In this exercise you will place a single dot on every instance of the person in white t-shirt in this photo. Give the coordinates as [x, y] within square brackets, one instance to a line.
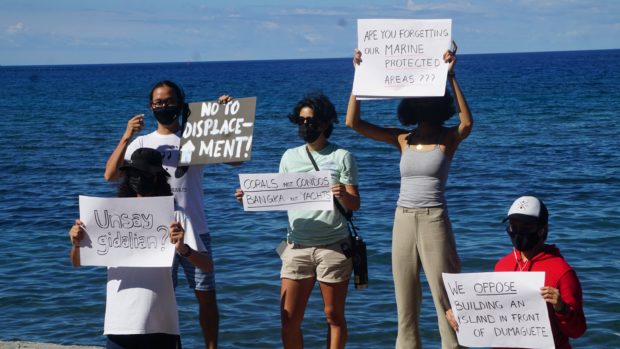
[141, 310]
[167, 102]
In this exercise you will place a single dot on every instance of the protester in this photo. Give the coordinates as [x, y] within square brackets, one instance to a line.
[141, 310]
[422, 236]
[528, 230]
[167, 102]
[317, 240]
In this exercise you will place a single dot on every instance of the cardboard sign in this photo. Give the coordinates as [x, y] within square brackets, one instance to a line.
[402, 57]
[501, 309]
[217, 133]
[127, 232]
[287, 191]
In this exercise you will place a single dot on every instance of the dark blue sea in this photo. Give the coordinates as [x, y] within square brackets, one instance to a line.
[545, 123]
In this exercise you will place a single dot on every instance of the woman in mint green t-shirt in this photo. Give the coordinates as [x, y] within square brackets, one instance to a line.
[316, 239]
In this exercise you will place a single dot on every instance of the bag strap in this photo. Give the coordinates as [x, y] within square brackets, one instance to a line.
[348, 215]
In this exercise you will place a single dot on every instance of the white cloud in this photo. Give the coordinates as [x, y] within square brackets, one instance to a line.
[15, 28]
[449, 6]
[318, 12]
[270, 25]
[312, 37]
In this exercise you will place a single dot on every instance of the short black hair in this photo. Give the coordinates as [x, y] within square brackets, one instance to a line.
[323, 108]
[432, 109]
[178, 91]
[182, 107]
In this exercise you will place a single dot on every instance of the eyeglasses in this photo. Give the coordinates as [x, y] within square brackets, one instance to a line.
[161, 103]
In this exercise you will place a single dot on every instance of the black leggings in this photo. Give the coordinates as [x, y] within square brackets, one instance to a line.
[144, 341]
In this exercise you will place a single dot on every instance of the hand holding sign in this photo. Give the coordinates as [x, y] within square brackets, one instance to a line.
[218, 131]
[286, 191]
[402, 58]
[501, 309]
[127, 232]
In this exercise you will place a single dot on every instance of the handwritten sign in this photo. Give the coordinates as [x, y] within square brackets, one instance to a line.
[501, 309]
[402, 57]
[287, 191]
[217, 133]
[127, 232]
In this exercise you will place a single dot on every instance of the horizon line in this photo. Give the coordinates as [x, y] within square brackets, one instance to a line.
[277, 59]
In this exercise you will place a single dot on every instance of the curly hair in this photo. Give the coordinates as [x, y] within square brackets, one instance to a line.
[161, 186]
[323, 108]
[431, 109]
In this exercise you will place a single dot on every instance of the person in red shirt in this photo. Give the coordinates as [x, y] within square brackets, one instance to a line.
[528, 229]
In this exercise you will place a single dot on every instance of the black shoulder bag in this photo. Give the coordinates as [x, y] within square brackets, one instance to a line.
[358, 246]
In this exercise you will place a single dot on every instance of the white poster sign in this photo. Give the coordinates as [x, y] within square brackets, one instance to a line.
[127, 232]
[501, 309]
[287, 191]
[402, 57]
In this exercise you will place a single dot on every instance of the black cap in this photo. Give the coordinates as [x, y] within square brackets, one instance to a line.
[145, 160]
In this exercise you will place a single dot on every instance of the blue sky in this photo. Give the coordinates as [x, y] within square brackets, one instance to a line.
[126, 31]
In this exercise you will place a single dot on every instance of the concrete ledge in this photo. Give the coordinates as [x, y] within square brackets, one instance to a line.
[34, 345]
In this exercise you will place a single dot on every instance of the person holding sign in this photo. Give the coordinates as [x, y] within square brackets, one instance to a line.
[422, 236]
[167, 102]
[141, 309]
[528, 229]
[317, 246]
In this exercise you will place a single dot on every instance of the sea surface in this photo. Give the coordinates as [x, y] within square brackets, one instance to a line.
[545, 123]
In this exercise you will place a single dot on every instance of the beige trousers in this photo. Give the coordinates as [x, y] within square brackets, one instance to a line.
[422, 237]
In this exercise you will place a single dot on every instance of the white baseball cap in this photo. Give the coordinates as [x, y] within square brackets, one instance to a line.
[528, 208]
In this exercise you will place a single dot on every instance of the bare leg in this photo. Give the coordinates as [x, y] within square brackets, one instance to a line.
[334, 299]
[294, 296]
[209, 317]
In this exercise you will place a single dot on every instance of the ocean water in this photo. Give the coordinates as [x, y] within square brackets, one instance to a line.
[545, 123]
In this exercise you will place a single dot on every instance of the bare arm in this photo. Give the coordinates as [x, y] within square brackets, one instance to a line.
[354, 121]
[199, 259]
[76, 234]
[465, 118]
[367, 129]
[466, 123]
[134, 125]
[348, 196]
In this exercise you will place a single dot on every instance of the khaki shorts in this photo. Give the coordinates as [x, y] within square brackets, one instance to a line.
[326, 263]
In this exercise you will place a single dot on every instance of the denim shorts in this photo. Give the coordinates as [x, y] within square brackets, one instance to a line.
[196, 278]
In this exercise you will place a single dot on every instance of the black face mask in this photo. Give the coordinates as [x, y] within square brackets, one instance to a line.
[166, 115]
[142, 185]
[309, 132]
[523, 240]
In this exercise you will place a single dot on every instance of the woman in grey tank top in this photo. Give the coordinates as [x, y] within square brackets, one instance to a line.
[422, 235]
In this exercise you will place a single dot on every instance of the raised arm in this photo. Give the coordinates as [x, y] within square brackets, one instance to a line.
[134, 125]
[466, 123]
[354, 120]
[367, 129]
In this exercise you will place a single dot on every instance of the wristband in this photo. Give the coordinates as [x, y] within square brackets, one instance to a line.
[189, 252]
[451, 74]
